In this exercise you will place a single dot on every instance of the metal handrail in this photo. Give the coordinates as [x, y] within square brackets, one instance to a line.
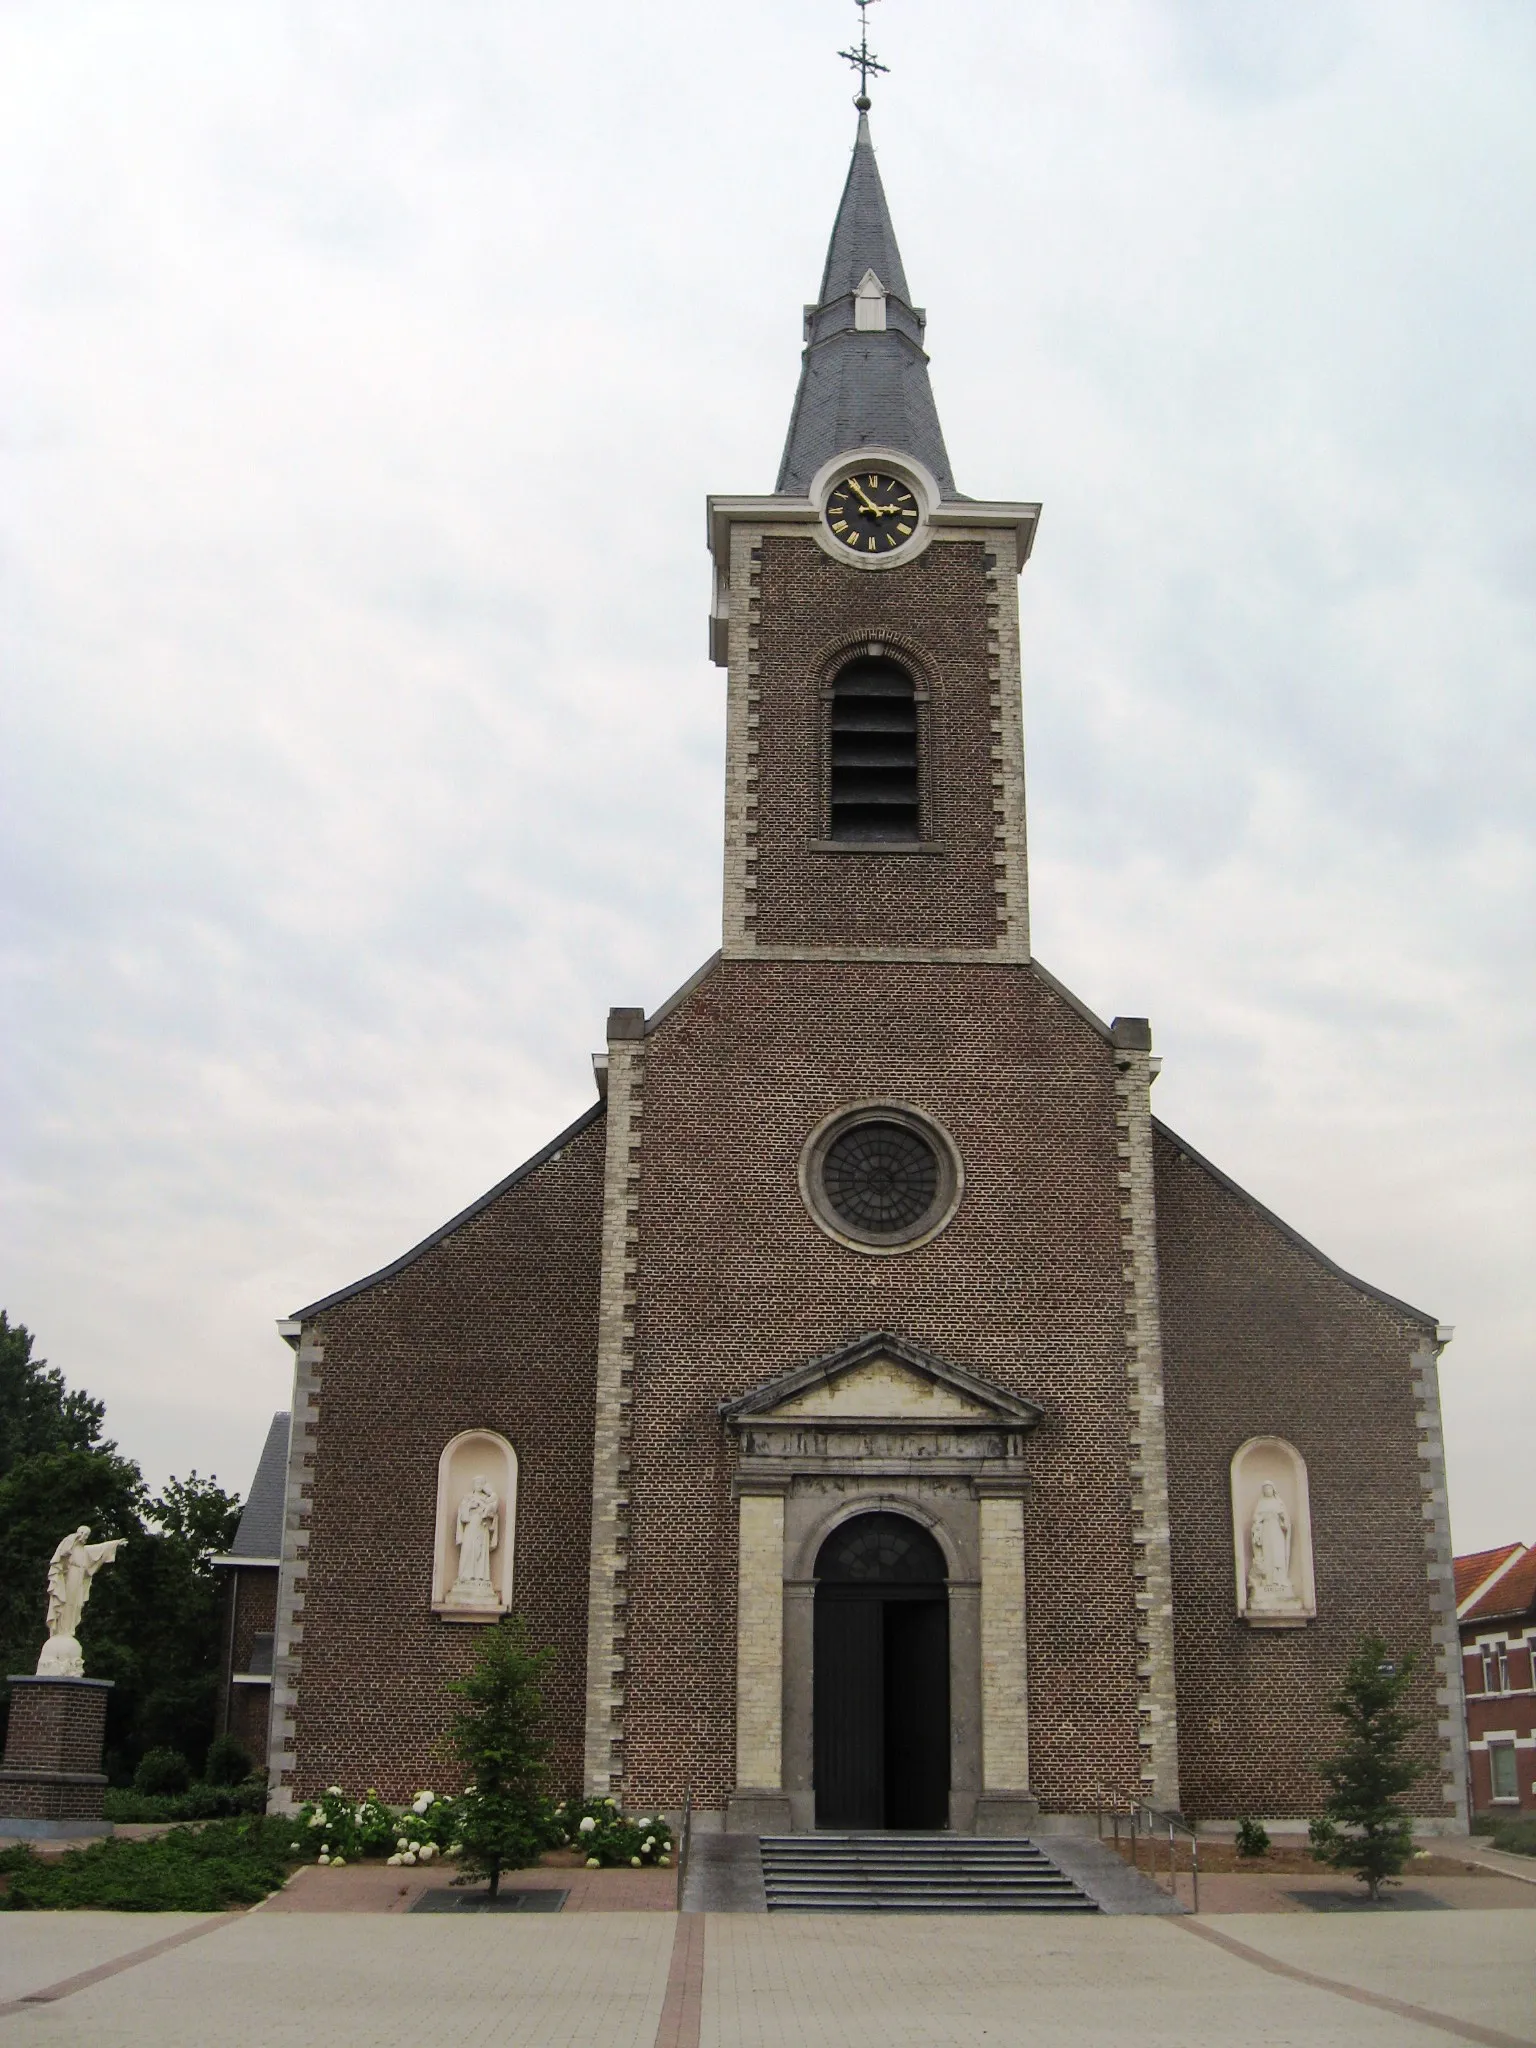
[684, 1843]
[1151, 1822]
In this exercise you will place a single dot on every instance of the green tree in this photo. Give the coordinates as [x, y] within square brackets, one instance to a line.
[153, 1625]
[498, 1738]
[1364, 1828]
[37, 1411]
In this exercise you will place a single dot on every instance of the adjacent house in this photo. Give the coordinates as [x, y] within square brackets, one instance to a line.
[245, 1697]
[1496, 1612]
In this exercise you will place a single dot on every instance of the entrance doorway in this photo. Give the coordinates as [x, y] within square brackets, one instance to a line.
[881, 1688]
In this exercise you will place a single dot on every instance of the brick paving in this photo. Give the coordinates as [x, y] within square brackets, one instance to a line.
[654, 1980]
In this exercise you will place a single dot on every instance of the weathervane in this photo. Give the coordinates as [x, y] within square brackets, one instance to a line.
[863, 59]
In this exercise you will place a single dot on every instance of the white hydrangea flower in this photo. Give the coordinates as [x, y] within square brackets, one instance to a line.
[634, 1862]
[593, 1864]
[611, 1802]
[408, 1860]
[333, 1792]
[665, 1862]
[338, 1862]
[392, 1862]
[422, 1802]
[426, 1852]
[588, 1826]
[322, 1857]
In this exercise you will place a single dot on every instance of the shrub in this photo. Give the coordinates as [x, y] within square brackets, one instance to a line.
[1252, 1838]
[498, 1737]
[198, 1802]
[1364, 1829]
[599, 1827]
[1518, 1836]
[228, 1762]
[162, 1770]
[188, 1870]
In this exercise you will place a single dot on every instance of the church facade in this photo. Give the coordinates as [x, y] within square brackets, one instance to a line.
[886, 1419]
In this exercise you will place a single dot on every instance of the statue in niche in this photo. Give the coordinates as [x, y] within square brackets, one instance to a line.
[477, 1528]
[1270, 1586]
[74, 1564]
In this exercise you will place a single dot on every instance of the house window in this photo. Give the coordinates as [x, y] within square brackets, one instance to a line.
[1496, 1668]
[1501, 1770]
[260, 1665]
[873, 783]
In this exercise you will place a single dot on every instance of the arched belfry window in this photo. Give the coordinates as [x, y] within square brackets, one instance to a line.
[874, 786]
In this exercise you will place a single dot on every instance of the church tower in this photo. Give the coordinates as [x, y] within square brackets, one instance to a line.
[884, 1419]
[867, 617]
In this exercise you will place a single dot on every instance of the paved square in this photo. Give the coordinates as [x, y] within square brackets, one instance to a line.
[632, 1980]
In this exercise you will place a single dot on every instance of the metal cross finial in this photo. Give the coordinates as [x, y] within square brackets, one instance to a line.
[863, 59]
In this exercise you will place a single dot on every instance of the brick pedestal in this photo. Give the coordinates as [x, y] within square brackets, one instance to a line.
[51, 1782]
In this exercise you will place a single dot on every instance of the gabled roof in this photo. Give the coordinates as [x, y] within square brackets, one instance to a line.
[1302, 1244]
[1478, 1566]
[862, 387]
[540, 1158]
[971, 1401]
[260, 1534]
[1508, 1590]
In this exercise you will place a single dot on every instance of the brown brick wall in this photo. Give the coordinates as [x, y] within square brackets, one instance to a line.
[1261, 1337]
[250, 1715]
[51, 1798]
[494, 1327]
[937, 609]
[246, 1711]
[737, 1284]
[56, 1724]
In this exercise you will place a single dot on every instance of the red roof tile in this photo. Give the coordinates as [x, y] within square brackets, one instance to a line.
[1477, 1566]
[1513, 1593]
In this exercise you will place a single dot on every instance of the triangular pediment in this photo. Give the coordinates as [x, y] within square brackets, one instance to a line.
[881, 1378]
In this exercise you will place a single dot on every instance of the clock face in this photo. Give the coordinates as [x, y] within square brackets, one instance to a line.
[870, 512]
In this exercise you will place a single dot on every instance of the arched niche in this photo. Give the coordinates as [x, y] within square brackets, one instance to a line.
[471, 1535]
[1272, 1535]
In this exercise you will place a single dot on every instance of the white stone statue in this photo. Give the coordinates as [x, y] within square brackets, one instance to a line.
[477, 1531]
[1270, 1586]
[70, 1572]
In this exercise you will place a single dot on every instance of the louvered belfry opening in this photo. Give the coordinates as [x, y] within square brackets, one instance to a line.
[873, 750]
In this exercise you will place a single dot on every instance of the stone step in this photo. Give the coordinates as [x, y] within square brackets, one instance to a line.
[914, 1874]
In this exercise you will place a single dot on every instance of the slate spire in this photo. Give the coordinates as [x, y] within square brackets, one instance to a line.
[864, 376]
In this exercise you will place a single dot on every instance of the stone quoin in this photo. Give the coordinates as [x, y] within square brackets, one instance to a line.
[860, 1378]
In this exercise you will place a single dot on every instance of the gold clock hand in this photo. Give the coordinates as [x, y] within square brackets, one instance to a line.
[858, 488]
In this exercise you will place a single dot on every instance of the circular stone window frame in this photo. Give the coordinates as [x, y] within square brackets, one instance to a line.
[936, 1217]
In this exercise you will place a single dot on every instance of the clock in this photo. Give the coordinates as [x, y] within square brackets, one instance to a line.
[871, 512]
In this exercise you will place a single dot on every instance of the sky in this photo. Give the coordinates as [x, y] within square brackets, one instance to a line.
[365, 369]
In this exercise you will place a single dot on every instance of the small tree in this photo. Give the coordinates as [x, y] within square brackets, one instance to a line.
[1363, 1828]
[498, 1737]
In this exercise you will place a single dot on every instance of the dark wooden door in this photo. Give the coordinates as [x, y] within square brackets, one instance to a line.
[917, 1713]
[849, 1709]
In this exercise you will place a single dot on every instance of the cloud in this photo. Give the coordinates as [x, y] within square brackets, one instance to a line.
[369, 366]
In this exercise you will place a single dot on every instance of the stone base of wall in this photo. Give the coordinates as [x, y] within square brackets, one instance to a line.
[1007, 1813]
[750, 1812]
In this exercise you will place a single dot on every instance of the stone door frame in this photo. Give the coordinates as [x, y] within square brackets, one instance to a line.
[881, 1425]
